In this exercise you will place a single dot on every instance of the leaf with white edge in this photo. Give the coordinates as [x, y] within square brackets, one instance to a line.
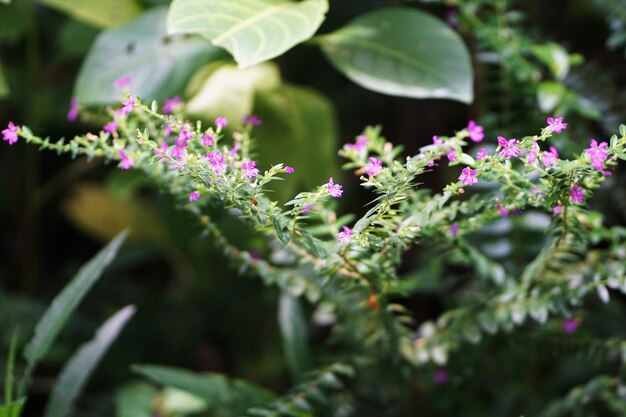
[603, 293]
[253, 31]
[159, 65]
[100, 13]
[62, 307]
[294, 331]
[79, 368]
[402, 52]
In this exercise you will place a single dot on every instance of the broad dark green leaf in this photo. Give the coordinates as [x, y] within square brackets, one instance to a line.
[294, 331]
[253, 31]
[402, 52]
[100, 13]
[66, 303]
[159, 65]
[79, 368]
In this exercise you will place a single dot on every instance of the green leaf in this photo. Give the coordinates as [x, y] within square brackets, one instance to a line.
[159, 65]
[549, 95]
[402, 52]
[135, 399]
[217, 390]
[4, 85]
[9, 379]
[5, 1]
[55, 317]
[253, 31]
[294, 331]
[555, 57]
[79, 368]
[282, 235]
[13, 409]
[101, 13]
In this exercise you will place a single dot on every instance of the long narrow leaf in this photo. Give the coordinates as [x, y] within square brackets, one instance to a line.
[10, 378]
[294, 331]
[78, 369]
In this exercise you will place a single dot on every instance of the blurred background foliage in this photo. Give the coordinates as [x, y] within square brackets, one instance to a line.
[531, 59]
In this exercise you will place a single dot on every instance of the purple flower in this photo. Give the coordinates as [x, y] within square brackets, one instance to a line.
[577, 194]
[289, 170]
[454, 229]
[451, 156]
[235, 148]
[10, 133]
[345, 236]
[373, 167]
[110, 127]
[482, 154]
[72, 114]
[335, 190]
[126, 162]
[468, 176]
[557, 209]
[476, 131]
[162, 150]
[208, 140]
[532, 154]
[168, 131]
[556, 125]
[122, 82]
[359, 145]
[570, 325]
[509, 148]
[171, 104]
[221, 122]
[441, 377]
[306, 209]
[597, 154]
[249, 169]
[549, 157]
[503, 212]
[217, 162]
[195, 196]
[128, 107]
[252, 120]
[437, 141]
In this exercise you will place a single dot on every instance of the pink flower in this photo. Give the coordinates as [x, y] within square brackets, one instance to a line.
[451, 156]
[437, 141]
[577, 194]
[128, 107]
[359, 145]
[482, 154]
[556, 125]
[122, 82]
[10, 133]
[476, 132]
[345, 236]
[289, 170]
[373, 167]
[110, 127]
[335, 190]
[503, 212]
[509, 148]
[171, 104]
[441, 377]
[597, 154]
[454, 229]
[208, 140]
[532, 154]
[168, 131]
[195, 196]
[221, 122]
[72, 114]
[306, 209]
[249, 169]
[235, 148]
[126, 162]
[468, 176]
[217, 162]
[162, 150]
[549, 157]
[570, 325]
[252, 120]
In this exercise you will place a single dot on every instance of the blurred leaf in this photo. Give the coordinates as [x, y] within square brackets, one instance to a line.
[135, 399]
[12, 22]
[555, 57]
[177, 402]
[299, 129]
[14, 409]
[79, 368]
[222, 89]
[402, 52]
[101, 214]
[4, 86]
[253, 31]
[549, 95]
[159, 65]
[294, 331]
[9, 379]
[66, 303]
[100, 13]
[5, 1]
[75, 39]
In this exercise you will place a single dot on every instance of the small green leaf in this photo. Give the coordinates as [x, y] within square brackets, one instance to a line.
[294, 331]
[135, 399]
[13, 409]
[282, 235]
[100, 13]
[253, 31]
[4, 85]
[402, 52]
[159, 65]
[79, 368]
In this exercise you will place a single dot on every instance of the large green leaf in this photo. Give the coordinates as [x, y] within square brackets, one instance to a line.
[66, 303]
[402, 52]
[159, 65]
[252, 31]
[100, 13]
[235, 395]
[80, 367]
[294, 331]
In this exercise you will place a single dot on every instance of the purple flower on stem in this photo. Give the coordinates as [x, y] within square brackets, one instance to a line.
[72, 114]
[217, 162]
[597, 154]
[167, 132]
[359, 145]
[162, 151]
[482, 154]
[476, 131]
[532, 154]
[441, 377]
[503, 212]
[557, 209]
[110, 127]
[509, 147]
[577, 194]
[451, 156]
[556, 125]
[249, 169]
[468, 176]
[126, 161]
[335, 190]
[306, 209]
[128, 107]
[345, 236]
[235, 148]
[289, 170]
[122, 82]
[208, 140]
[549, 157]
[570, 325]
[221, 122]
[171, 104]
[195, 196]
[10, 133]
[437, 141]
[373, 167]
[252, 120]
[454, 229]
